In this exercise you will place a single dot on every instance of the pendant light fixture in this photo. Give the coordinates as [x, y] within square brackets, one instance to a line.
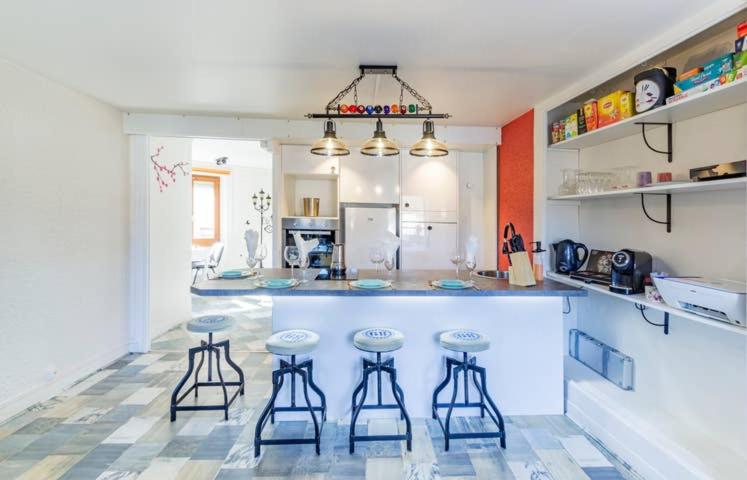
[329, 145]
[428, 145]
[379, 145]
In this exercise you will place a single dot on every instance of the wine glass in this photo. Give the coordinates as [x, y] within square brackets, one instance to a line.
[376, 255]
[470, 263]
[291, 255]
[261, 254]
[303, 264]
[251, 262]
[456, 258]
[389, 264]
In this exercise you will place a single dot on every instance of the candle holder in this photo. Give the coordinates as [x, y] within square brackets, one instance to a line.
[261, 202]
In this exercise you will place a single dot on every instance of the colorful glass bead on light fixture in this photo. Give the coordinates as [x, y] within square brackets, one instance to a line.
[361, 109]
[378, 109]
[343, 108]
[386, 109]
[395, 108]
[411, 108]
[403, 109]
[369, 109]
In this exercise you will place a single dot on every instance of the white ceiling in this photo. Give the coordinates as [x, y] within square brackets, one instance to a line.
[484, 61]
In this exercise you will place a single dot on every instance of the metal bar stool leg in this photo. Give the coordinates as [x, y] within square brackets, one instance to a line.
[265, 412]
[322, 398]
[400, 402]
[441, 386]
[447, 423]
[197, 371]
[175, 394]
[483, 387]
[222, 382]
[304, 378]
[357, 408]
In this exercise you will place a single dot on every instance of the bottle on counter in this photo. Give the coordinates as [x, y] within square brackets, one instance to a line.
[538, 262]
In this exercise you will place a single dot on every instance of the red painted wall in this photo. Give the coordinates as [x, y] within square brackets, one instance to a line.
[516, 180]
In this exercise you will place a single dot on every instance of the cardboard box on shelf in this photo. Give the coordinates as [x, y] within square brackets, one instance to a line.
[609, 109]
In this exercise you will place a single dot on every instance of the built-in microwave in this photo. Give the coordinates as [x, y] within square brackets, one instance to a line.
[323, 229]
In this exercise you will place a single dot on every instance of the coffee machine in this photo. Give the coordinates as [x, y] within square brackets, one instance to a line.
[629, 271]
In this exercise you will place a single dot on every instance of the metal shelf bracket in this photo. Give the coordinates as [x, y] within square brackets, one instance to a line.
[665, 324]
[668, 153]
[668, 221]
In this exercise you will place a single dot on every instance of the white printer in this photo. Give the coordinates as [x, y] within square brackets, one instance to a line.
[722, 300]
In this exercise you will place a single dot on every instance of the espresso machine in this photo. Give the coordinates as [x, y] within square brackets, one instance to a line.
[629, 271]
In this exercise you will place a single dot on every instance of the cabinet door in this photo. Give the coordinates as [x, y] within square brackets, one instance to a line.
[369, 179]
[428, 245]
[297, 159]
[429, 184]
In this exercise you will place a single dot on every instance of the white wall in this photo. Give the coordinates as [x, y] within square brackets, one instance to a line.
[170, 250]
[64, 210]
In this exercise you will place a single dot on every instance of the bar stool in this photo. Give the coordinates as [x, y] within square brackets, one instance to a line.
[465, 342]
[208, 324]
[378, 340]
[292, 343]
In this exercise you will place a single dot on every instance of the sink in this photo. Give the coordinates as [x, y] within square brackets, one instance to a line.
[492, 274]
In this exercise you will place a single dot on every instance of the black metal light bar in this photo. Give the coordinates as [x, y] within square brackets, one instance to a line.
[397, 116]
[423, 109]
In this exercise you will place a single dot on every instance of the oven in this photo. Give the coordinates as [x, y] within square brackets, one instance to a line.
[323, 229]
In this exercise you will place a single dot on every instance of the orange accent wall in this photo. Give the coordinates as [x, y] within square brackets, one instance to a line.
[516, 180]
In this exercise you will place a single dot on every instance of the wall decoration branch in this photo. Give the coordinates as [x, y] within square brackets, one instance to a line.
[166, 176]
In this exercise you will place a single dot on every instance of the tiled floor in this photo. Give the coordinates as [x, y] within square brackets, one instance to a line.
[115, 425]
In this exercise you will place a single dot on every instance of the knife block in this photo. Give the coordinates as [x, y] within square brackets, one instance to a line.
[520, 272]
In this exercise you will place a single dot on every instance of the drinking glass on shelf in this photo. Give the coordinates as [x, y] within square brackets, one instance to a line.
[470, 263]
[376, 255]
[291, 255]
[457, 259]
[303, 264]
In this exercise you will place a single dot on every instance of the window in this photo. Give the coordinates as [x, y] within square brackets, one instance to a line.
[205, 210]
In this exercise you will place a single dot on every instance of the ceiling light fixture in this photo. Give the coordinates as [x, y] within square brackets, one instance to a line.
[329, 145]
[428, 145]
[379, 145]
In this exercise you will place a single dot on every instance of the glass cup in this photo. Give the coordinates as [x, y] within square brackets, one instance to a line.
[456, 259]
[303, 264]
[470, 264]
[389, 264]
[376, 255]
[261, 254]
[291, 255]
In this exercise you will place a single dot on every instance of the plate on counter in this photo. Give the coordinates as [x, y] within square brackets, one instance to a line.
[452, 284]
[371, 284]
[236, 274]
[277, 283]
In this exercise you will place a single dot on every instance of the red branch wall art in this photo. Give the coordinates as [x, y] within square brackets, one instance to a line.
[163, 173]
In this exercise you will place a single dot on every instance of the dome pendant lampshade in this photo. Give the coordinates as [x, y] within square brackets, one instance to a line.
[379, 145]
[428, 146]
[329, 145]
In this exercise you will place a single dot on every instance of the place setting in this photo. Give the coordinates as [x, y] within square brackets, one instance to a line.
[468, 259]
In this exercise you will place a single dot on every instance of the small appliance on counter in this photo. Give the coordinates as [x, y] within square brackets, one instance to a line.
[629, 271]
[653, 87]
[722, 300]
[598, 268]
[720, 171]
[567, 259]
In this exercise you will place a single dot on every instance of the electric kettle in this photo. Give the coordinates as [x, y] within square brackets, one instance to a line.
[567, 259]
[337, 266]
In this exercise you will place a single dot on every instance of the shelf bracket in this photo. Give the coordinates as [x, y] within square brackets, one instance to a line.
[665, 324]
[668, 153]
[668, 221]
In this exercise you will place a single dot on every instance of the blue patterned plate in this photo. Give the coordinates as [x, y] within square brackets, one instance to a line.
[452, 284]
[370, 283]
[231, 274]
[278, 283]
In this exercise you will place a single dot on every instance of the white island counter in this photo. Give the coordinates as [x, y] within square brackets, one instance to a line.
[524, 364]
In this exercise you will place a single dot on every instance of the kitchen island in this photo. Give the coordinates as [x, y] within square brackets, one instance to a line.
[524, 364]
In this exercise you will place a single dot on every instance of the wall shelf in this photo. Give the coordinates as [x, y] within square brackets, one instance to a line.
[641, 299]
[727, 96]
[673, 188]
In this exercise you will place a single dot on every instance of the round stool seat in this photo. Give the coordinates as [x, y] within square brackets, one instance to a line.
[211, 324]
[378, 339]
[464, 341]
[292, 342]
